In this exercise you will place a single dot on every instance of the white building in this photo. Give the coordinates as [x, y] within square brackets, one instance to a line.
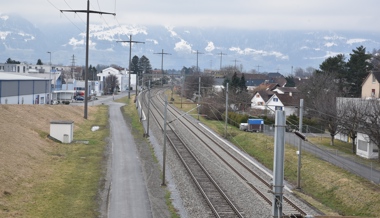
[122, 76]
[365, 147]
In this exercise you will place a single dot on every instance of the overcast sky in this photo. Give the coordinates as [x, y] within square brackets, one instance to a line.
[247, 14]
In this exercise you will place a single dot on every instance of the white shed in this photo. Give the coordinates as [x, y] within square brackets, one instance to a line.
[62, 130]
[365, 148]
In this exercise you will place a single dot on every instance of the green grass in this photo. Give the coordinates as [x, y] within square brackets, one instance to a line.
[331, 189]
[71, 190]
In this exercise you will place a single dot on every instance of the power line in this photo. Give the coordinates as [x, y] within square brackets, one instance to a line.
[88, 12]
[66, 17]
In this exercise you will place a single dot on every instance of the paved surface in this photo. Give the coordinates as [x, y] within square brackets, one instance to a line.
[338, 159]
[128, 192]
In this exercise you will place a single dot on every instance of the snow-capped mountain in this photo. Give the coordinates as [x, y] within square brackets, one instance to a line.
[266, 51]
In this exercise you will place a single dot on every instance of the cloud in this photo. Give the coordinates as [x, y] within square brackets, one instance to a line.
[269, 14]
[182, 46]
[330, 44]
[353, 41]
[254, 52]
[210, 47]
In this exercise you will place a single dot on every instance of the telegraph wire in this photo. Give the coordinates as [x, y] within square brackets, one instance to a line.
[66, 17]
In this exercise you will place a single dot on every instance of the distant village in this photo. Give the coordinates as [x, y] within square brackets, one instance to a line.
[22, 83]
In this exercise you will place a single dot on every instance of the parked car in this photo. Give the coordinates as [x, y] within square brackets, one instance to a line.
[79, 98]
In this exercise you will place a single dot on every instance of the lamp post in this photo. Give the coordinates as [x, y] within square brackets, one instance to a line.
[51, 95]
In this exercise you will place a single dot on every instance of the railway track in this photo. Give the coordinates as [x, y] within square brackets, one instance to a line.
[219, 203]
[255, 181]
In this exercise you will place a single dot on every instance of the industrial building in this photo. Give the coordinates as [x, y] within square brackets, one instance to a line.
[20, 89]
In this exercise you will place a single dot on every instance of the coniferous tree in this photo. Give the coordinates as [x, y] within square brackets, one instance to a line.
[235, 82]
[359, 66]
[242, 85]
[10, 61]
[135, 65]
[290, 81]
[144, 65]
[39, 62]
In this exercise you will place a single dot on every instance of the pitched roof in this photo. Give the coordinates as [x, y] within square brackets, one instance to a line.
[288, 89]
[289, 100]
[377, 75]
[275, 75]
[266, 86]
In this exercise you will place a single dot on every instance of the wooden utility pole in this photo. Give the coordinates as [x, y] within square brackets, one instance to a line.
[221, 57]
[130, 64]
[197, 59]
[162, 53]
[88, 12]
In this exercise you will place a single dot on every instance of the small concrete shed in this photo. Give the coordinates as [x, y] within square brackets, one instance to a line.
[62, 130]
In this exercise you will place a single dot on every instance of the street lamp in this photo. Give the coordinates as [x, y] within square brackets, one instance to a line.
[51, 95]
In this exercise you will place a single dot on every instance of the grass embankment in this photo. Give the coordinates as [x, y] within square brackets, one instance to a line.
[328, 188]
[72, 188]
[43, 178]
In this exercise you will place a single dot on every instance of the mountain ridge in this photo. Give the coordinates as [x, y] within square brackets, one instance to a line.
[263, 50]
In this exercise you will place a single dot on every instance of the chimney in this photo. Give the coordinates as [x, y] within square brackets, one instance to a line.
[290, 94]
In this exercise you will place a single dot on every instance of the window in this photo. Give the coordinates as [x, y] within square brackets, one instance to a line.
[373, 79]
[362, 145]
[257, 96]
[373, 93]
[278, 108]
[260, 103]
[275, 99]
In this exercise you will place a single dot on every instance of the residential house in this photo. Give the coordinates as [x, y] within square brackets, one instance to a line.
[371, 86]
[370, 90]
[279, 98]
[259, 99]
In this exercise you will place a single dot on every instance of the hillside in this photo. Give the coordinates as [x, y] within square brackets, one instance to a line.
[263, 50]
[25, 151]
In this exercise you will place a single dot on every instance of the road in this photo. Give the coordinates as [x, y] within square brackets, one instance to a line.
[128, 194]
[338, 159]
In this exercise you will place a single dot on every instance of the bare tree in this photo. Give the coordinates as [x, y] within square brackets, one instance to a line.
[111, 84]
[191, 85]
[320, 93]
[371, 121]
[351, 117]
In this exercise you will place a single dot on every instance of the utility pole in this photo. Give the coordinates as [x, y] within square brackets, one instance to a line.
[299, 147]
[199, 95]
[164, 152]
[278, 164]
[258, 68]
[51, 93]
[197, 59]
[88, 12]
[221, 55]
[147, 125]
[235, 63]
[162, 64]
[226, 111]
[72, 68]
[130, 64]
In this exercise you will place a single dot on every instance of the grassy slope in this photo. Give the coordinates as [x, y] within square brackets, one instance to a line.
[42, 178]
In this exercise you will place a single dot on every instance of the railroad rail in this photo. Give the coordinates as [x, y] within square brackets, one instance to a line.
[218, 201]
[255, 181]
